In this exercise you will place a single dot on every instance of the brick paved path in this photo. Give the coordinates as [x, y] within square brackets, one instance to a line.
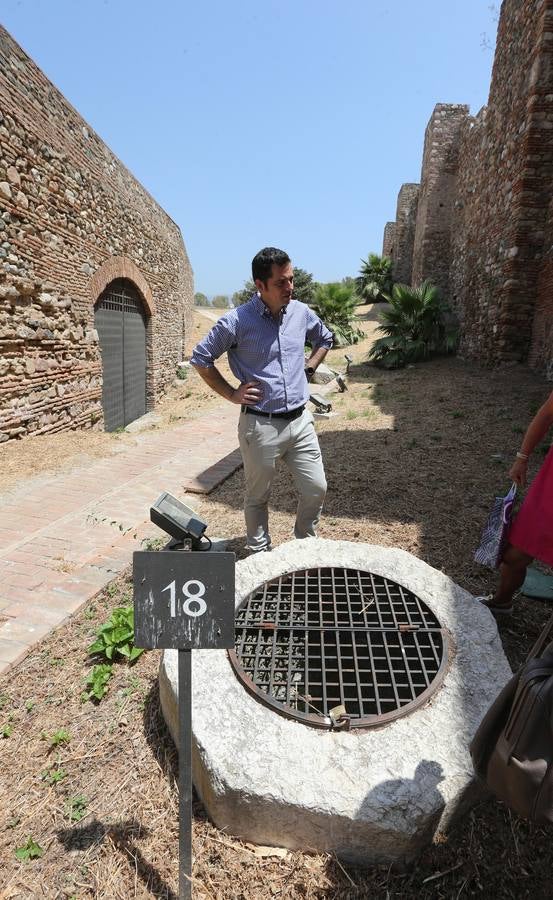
[64, 537]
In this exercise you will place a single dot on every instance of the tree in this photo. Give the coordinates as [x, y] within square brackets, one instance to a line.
[201, 300]
[416, 325]
[335, 304]
[375, 278]
[304, 288]
[221, 301]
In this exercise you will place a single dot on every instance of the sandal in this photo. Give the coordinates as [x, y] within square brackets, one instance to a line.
[495, 609]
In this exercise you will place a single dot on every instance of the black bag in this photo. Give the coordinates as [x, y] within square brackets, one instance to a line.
[512, 750]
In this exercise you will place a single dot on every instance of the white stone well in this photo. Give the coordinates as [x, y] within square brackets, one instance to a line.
[368, 794]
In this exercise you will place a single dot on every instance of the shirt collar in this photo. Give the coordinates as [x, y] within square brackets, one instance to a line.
[264, 310]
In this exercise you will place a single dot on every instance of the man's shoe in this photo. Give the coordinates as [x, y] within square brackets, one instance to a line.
[495, 609]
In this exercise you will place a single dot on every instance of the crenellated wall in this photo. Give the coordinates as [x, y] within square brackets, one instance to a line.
[69, 209]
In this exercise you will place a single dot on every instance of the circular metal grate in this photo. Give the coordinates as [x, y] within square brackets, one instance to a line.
[336, 647]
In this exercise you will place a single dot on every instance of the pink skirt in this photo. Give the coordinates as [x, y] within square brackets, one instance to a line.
[532, 528]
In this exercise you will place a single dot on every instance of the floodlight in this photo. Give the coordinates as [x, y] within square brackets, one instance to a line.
[178, 520]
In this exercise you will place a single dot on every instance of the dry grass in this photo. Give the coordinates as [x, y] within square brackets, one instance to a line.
[412, 461]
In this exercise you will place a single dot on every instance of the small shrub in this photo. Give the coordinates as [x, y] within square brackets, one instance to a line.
[415, 327]
[335, 305]
[117, 636]
[374, 282]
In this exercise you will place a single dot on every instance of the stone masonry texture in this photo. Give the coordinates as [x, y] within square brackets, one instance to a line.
[388, 241]
[406, 217]
[431, 251]
[484, 230]
[73, 219]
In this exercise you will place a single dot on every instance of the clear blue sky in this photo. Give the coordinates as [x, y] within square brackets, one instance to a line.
[290, 123]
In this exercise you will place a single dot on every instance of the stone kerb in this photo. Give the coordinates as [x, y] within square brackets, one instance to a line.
[370, 796]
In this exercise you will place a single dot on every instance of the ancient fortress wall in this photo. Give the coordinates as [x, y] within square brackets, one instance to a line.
[72, 219]
[431, 250]
[406, 217]
[389, 237]
[484, 225]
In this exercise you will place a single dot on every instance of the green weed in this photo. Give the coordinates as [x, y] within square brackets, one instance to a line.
[76, 808]
[97, 682]
[30, 850]
[6, 731]
[54, 776]
[153, 543]
[61, 736]
[117, 636]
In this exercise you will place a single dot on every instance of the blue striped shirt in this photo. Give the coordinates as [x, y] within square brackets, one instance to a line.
[270, 351]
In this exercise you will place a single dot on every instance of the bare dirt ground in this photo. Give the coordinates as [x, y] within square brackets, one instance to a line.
[413, 460]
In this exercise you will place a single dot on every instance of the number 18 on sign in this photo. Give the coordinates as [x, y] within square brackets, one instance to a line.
[184, 601]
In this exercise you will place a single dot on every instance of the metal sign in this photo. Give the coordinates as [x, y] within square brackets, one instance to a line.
[184, 601]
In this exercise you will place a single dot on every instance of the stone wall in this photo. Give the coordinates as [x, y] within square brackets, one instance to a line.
[431, 251]
[484, 230]
[71, 216]
[503, 196]
[406, 217]
[388, 240]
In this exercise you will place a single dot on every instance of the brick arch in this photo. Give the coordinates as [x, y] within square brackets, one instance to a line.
[121, 267]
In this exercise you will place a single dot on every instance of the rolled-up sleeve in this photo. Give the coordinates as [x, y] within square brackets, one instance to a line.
[317, 333]
[220, 339]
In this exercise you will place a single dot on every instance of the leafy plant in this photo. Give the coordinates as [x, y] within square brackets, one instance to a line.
[182, 373]
[374, 281]
[76, 808]
[6, 730]
[61, 736]
[30, 850]
[117, 636]
[415, 326]
[54, 776]
[335, 304]
[97, 681]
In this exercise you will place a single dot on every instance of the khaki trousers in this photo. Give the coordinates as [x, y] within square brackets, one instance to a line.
[263, 442]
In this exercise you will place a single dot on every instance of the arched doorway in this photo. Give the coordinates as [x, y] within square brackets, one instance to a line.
[120, 320]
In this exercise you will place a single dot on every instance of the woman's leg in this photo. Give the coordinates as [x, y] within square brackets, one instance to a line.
[512, 573]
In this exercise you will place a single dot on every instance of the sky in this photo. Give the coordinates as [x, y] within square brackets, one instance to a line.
[260, 123]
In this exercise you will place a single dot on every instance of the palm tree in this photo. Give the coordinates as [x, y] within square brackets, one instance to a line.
[335, 304]
[414, 326]
[374, 281]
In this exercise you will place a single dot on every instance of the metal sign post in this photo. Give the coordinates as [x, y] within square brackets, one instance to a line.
[184, 601]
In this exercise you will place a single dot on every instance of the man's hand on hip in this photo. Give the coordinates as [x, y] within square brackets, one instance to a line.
[248, 394]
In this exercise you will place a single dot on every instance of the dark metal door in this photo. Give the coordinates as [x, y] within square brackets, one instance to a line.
[121, 324]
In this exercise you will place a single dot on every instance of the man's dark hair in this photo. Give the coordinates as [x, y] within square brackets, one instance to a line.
[263, 262]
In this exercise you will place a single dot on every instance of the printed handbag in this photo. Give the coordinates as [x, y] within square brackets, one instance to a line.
[494, 535]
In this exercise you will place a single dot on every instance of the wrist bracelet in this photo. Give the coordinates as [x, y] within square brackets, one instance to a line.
[523, 456]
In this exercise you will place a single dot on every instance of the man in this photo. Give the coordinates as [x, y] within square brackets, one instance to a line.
[265, 341]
